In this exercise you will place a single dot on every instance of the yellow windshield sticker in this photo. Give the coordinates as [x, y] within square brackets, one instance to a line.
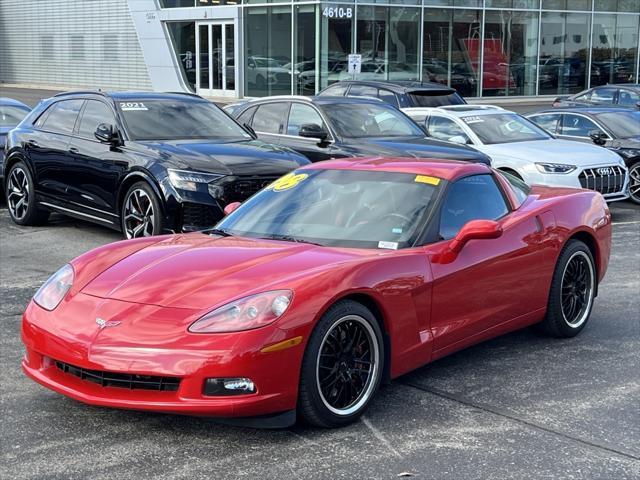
[290, 180]
[427, 179]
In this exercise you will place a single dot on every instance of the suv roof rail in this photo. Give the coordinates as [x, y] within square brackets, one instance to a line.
[190, 94]
[82, 92]
[470, 106]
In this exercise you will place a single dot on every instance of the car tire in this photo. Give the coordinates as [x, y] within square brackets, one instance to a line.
[572, 292]
[634, 182]
[141, 213]
[21, 199]
[336, 386]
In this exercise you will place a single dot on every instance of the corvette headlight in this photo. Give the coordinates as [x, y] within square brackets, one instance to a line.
[555, 168]
[245, 314]
[187, 180]
[53, 290]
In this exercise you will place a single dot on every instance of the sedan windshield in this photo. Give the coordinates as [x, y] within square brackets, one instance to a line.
[361, 120]
[11, 115]
[621, 124]
[174, 119]
[504, 128]
[342, 208]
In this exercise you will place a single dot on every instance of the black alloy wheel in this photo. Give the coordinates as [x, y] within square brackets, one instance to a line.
[141, 214]
[20, 196]
[634, 182]
[342, 366]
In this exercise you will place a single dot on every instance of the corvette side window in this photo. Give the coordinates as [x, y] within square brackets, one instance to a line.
[471, 198]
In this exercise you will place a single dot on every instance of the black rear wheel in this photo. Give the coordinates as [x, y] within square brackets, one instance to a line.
[572, 291]
[20, 196]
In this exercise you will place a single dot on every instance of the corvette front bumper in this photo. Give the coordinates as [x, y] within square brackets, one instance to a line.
[189, 361]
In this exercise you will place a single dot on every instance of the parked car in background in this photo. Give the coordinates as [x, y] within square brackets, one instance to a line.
[518, 146]
[401, 94]
[614, 128]
[143, 163]
[303, 300]
[623, 96]
[326, 127]
[11, 114]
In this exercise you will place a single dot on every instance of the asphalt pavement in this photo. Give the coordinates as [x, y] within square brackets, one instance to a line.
[520, 406]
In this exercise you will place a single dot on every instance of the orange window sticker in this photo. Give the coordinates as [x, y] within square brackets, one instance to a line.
[427, 179]
[290, 180]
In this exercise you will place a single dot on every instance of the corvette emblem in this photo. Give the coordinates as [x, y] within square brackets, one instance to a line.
[102, 323]
[604, 171]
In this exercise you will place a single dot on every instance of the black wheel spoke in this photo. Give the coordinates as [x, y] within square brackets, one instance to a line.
[576, 288]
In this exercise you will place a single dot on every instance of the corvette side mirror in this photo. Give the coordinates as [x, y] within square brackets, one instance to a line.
[231, 207]
[475, 230]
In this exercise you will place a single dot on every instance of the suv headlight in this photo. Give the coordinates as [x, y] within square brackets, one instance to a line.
[51, 293]
[555, 168]
[245, 314]
[188, 180]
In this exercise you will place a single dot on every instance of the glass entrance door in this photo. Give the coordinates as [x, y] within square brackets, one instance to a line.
[215, 59]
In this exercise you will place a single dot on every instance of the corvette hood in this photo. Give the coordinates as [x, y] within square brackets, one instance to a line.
[198, 271]
[554, 151]
[252, 157]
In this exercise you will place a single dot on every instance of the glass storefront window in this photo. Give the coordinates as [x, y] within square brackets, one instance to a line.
[632, 6]
[267, 44]
[451, 54]
[177, 3]
[510, 53]
[566, 5]
[615, 49]
[512, 3]
[183, 40]
[453, 3]
[564, 52]
[387, 39]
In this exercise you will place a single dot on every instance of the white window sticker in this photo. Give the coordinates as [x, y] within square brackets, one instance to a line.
[388, 245]
[128, 106]
[468, 120]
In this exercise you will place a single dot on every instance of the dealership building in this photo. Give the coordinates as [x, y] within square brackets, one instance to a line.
[238, 48]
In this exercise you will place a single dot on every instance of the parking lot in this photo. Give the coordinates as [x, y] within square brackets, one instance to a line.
[520, 406]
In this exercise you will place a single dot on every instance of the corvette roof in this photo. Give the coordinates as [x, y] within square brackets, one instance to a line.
[445, 169]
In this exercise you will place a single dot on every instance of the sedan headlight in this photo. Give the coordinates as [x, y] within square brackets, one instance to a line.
[53, 291]
[245, 314]
[555, 168]
[188, 180]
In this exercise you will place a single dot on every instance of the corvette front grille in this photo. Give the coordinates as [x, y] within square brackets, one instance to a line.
[121, 380]
[605, 180]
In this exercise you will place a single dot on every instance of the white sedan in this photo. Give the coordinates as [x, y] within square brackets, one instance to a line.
[518, 146]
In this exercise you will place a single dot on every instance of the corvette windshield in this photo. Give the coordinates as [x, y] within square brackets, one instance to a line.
[622, 124]
[504, 128]
[174, 119]
[342, 208]
[361, 120]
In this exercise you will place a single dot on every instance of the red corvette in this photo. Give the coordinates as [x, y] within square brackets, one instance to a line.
[334, 278]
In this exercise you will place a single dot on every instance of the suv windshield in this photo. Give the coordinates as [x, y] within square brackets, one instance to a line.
[317, 206]
[435, 98]
[11, 115]
[360, 120]
[175, 119]
[504, 128]
[621, 124]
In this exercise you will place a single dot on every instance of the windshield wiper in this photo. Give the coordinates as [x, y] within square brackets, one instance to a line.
[289, 238]
[219, 231]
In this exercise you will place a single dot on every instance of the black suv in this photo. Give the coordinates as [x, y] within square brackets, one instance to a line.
[325, 127]
[143, 163]
[400, 94]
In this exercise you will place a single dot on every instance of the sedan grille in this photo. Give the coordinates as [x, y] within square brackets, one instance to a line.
[122, 380]
[605, 180]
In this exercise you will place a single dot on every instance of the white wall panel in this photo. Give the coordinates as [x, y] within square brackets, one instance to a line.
[63, 42]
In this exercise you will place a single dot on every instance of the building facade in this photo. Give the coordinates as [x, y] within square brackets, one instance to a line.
[483, 48]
